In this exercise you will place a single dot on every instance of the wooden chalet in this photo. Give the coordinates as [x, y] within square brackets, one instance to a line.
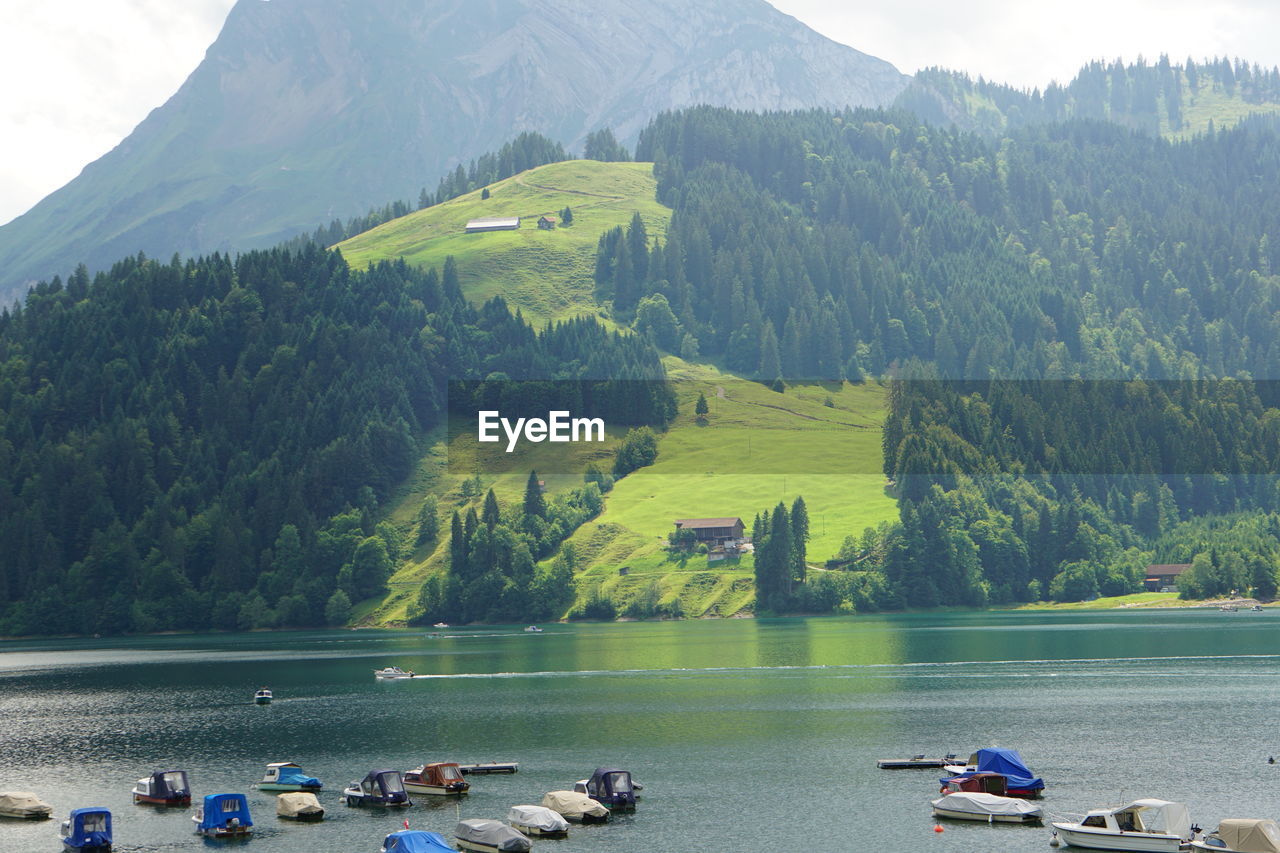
[715, 531]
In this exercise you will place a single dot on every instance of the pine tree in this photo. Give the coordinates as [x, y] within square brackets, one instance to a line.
[491, 514]
[534, 503]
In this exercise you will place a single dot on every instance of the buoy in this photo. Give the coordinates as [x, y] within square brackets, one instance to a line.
[1053, 842]
[937, 827]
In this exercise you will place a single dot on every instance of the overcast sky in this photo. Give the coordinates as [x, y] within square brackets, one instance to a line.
[80, 74]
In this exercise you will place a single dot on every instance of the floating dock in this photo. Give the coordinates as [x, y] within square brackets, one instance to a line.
[490, 767]
[916, 761]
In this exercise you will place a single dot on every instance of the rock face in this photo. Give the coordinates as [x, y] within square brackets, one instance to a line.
[306, 110]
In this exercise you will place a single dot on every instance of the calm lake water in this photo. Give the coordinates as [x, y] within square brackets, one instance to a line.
[748, 735]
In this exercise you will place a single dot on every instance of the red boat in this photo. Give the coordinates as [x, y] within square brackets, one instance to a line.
[977, 783]
[163, 788]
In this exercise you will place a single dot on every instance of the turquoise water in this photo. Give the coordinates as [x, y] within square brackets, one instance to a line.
[747, 734]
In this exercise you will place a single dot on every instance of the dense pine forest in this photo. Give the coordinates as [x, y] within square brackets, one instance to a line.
[206, 444]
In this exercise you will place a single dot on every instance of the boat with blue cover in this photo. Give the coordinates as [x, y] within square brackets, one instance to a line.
[416, 841]
[1019, 780]
[287, 776]
[87, 830]
[223, 816]
[610, 787]
[379, 788]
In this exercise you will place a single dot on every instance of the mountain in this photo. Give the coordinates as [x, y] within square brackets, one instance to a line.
[305, 110]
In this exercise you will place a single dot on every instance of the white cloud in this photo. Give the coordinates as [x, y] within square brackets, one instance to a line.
[81, 74]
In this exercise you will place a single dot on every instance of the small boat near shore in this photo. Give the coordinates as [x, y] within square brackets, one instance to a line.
[442, 778]
[223, 816]
[576, 807]
[392, 672]
[24, 805]
[163, 788]
[490, 836]
[988, 808]
[1241, 835]
[538, 821]
[1154, 825]
[87, 831]
[287, 776]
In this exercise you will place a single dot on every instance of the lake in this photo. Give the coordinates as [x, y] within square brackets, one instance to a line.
[747, 734]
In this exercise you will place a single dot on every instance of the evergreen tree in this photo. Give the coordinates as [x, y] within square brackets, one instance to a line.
[534, 503]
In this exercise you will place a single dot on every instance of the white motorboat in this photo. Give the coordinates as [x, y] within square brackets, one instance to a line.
[967, 805]
[1238, 835]
[538, 820]
[392, 672]
[533, 629]
[1156, 825]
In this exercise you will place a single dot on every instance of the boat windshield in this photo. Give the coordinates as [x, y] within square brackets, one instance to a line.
[176, 780]
[620, 782]
[391, 783]
[232, 804]
[450, 773]
[96, 822]
[1095, 820]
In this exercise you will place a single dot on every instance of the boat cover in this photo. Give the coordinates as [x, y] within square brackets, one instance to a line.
[540, 817]
[23, 804]
[493, 834]
[985, 804]
[1250, 836]
[1163, 816]
[221, 809]
[416, 841]
[573, 804]
[88, 828]
[167, 784]
[612, 785]
[298, 804]
[1008, 763]
[291, 774]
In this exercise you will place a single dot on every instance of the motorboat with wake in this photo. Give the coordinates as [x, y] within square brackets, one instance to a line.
[1155, 825]
[163, 788]
[1241, 835]
[490, 836]
[263, 697]
[392, 672]
[988, 808]
[442, 778]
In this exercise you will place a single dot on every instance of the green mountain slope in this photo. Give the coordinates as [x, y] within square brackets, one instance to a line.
[547, 274]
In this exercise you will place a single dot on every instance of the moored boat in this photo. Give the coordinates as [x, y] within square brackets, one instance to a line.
[87, 830]
[223, 816]
[392, 672]
[575, 806]
[915, 761]
[416, 841]
[24, 805]
[1241, 835]
[610, 787]
[287, 776]
[538, 820]
[299, 805]
[490, 836]
[442, 778]
[1019, 780]
[988, 808]
[1155, 825]
[163, 788]
[489, 767]
[379, 788]
[262, 697]
[978, 783]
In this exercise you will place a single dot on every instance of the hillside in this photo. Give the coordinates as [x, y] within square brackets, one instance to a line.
[546, 274]
[307, 110]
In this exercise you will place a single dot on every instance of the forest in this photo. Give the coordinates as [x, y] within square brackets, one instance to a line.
[206, 443]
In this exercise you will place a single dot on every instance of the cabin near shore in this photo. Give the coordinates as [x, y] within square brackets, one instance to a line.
[1163, 577]
[506, 223]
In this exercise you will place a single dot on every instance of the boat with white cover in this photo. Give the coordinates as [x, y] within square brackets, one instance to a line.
[299, 805]
[576, 806]
[538, 820]
[1155, 825]
[490, 836]
[966, 805]
[1240, 835]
